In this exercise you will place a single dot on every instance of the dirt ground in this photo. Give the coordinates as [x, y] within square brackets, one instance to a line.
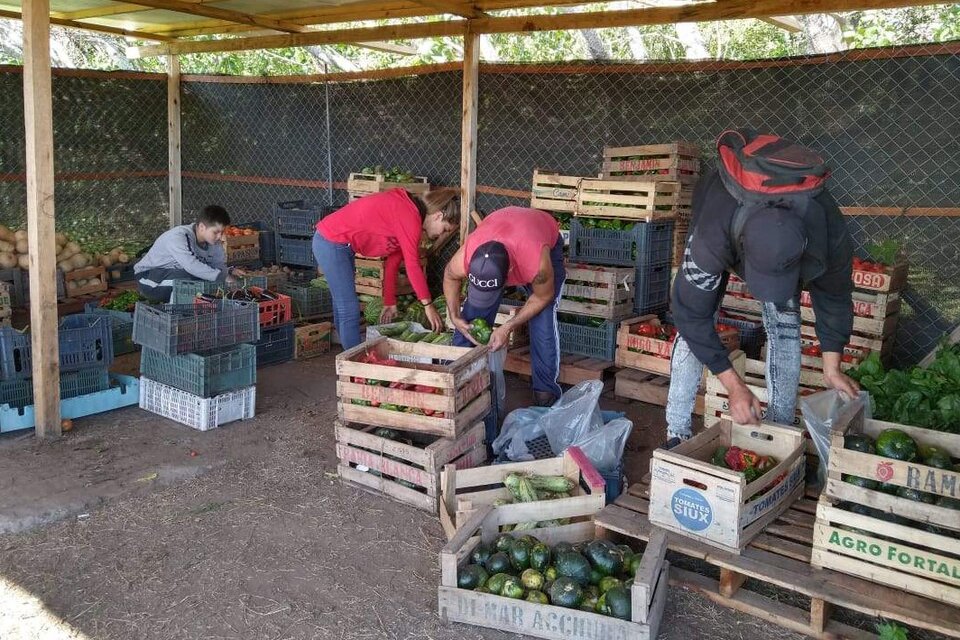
[133, 527]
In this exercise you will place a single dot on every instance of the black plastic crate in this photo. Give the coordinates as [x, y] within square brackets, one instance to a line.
[581, 336]
[297, 217]
[268, 241]
[652, 289]
[120, 273]
[752, 335]
[275, 345]
[646, 243]
[295, 251]
[308, 302]
[14, 277]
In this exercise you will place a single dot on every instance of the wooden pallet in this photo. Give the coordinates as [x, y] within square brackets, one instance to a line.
[647, 387]
[573, 369]
[780, 557]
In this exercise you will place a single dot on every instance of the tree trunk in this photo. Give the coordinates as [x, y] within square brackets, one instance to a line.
[823, 33]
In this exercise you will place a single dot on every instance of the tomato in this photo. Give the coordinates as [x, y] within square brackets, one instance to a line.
[847, 357]
[647, 329]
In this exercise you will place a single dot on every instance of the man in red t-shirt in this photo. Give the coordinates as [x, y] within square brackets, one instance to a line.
[517, 247]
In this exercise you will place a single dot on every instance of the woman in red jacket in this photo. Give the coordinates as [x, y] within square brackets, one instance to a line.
[383, 225]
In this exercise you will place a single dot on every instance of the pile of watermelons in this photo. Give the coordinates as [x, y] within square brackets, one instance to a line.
[898, 445]
[593, 576]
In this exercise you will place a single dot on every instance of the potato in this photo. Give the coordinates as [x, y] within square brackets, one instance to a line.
[123, 258]
[22, 246]
[106, 261]
[20, 234]
[8, 260]
[23, 262]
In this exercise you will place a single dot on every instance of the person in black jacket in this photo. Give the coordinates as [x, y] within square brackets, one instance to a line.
[778, 243]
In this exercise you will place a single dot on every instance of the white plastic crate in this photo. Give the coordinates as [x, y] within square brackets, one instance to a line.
[195, 411]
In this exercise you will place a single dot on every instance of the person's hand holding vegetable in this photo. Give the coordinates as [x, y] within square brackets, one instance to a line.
[388, 313]
[433, 317]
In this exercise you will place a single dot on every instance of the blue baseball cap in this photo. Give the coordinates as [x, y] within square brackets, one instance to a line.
[774, 241]
[487, 275]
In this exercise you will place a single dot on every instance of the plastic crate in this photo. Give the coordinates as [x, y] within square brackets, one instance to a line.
[203, 374]
[85, 342]
[19, 393]
[297, 218]
[752, 335]
[276, 345]
[615, 481]
[121, 323]
[295, 251]
[308, 302]
[124, 391]
[579, 337]
[652, 289]
[25, 286]
[199, 413]
[185, 291]
[14, 277]
[644, 244]
[172, 329]
[268, 247]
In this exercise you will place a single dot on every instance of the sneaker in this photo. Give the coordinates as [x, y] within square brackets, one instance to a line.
[672, 442]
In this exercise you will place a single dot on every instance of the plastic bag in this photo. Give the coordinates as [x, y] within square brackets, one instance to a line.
[495, 361]
[604, 447]
[820, 412]
[519, 427]
[574, 415]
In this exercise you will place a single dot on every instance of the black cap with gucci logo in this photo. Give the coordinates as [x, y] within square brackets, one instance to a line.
[487, 274]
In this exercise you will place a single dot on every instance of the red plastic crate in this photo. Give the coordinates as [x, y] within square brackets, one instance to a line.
[272, 313]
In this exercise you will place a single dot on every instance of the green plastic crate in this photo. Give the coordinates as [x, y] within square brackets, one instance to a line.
[203, 374]
[308, 302]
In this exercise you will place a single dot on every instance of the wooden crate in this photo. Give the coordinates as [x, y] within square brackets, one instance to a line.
[610, 290]
[753, 582]
[273, 278]
[635, 201]
[717, 403]
[406, 470]
[462, 381]
[463, 491]
[649, 388]
[892, 279]
[678, 161]
[905, 553]
[715, 505]
[96, 278]
[371, 280]
[311, 339]
[361, 184]
[646, 353]
[871, 327]
[519, 337]
[244, 248]
[648, 592]
[554, 192]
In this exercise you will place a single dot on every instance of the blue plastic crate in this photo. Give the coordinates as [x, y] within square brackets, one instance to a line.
[297, 218]
[85, 342]
[188, 328]
[203, 374]
[121, 328]
[652, 289]
[124, 391]
[615, 481]
[752, 335]
[579, 337]
[295, 251]
[276, 345]
[645, 243]
[19, 393]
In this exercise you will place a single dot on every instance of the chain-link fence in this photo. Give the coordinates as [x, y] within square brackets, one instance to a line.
[888, 120]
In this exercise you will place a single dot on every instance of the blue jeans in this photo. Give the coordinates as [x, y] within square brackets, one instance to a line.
[782, 324]
[337, 261]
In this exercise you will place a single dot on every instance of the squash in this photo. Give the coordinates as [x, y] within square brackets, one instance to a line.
[23, 262]
[80, 261]
[8, 260]
[65, 266]
[20, 234]
[123, 258]
[23, 246]
[72, 285]
[106, 261]
[73, 247]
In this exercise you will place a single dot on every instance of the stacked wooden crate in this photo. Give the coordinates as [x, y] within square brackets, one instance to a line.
[406, 410]
[677, 162]
[593, 300]
[557, 195]
[892, 521]
[361, 184]
[876, 310]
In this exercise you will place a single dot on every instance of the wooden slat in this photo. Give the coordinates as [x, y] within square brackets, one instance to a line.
[173, 141]
[210, 11]
[38, 123]
[468, 129]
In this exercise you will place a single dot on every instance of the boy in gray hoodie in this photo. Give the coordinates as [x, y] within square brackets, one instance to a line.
[187, 252]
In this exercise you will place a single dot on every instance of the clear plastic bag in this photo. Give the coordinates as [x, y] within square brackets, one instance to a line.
[820, 412]
[574, 415]
[519, 427]
[604, 447]
[495, 361]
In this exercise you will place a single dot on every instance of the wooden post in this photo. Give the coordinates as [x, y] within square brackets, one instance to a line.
[468, 131]
[38, 122]
[173, 140]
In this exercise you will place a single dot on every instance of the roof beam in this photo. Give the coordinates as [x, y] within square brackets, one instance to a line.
[703, 12]
[787, 23]
[452, 7]
[224, 14]
[390, 47]
[141, 35]
[110, 9]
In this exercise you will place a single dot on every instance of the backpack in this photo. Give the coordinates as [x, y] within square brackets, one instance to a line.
[763, 171]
